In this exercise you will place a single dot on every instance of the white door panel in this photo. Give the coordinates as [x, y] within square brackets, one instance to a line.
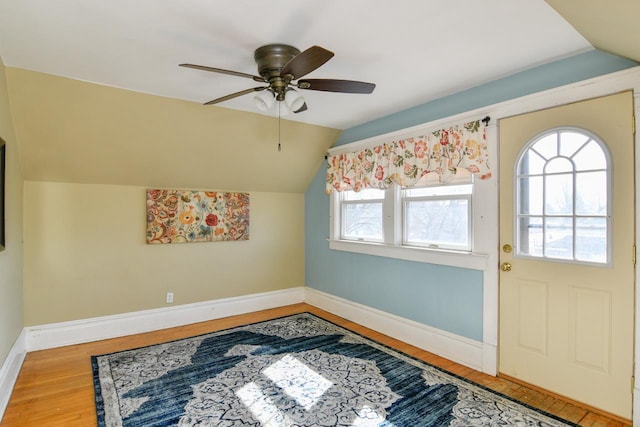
[567, 326]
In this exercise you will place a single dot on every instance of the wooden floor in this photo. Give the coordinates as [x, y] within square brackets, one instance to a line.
[55, 387]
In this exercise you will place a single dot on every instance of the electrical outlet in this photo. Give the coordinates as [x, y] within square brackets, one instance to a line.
[169, 297]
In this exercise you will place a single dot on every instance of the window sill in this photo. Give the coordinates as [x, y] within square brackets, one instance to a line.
[470, 260]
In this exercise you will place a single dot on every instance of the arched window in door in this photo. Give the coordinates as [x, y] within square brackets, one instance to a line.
[563, 193]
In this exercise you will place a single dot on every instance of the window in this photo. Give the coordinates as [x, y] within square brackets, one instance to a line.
[437, 216]
[429, 223]
[361, 215]
[563, 198]
[432, 216]
[452, 224]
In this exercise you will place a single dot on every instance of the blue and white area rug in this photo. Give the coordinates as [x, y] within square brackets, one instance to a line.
[298, 370]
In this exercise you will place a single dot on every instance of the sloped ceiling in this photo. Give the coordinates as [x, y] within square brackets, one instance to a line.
[105, 102]
[413, 50]
[611, 26]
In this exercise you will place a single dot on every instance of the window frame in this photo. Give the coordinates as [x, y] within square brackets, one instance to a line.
[450, 197]
[393, 219]
[344, 203]
[608, 216]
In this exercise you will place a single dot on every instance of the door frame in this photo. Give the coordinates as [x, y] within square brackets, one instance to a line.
[608, 84]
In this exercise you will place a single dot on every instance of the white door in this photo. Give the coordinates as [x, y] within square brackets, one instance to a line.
[567, 251]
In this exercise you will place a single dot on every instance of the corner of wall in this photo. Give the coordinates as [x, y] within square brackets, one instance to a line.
[11, 322]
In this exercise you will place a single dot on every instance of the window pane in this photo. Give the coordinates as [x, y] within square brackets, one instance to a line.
[559, 164]
[590, 157]
[367, 194]
[547, 146]
[530, 236]
[362, 221]
[591, 239]
[570, 142]
[531, 164]
[558, 196]
[437, 222]
[591, 193]
[530, 196]
[558, 236]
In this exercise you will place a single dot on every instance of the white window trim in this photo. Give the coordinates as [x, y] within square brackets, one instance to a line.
[471, 260]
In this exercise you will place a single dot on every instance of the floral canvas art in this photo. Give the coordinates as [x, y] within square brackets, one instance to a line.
[181, 216]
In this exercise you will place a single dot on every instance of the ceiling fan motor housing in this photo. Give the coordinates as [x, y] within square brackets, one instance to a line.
[271, 59]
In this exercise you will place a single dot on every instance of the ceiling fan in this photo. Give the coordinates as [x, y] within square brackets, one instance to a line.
[281, 68]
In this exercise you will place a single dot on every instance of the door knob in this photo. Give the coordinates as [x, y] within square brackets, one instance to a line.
[506, 266]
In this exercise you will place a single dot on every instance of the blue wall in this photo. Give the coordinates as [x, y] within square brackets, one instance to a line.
[443, 297]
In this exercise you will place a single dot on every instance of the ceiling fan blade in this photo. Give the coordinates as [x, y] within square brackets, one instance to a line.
[223, 71]
[235, 95]
[305, 62]
[301, 109]
[332, 85]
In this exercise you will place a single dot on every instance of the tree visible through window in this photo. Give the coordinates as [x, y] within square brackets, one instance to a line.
[563, 198]
[362, 215]
[433, 215]
[438, 216]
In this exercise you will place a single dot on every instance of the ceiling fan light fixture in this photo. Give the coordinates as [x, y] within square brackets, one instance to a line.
[283, 109]
[294, 100]
[264, 100]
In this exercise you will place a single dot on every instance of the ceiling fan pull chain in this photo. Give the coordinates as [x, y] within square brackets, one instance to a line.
[279, 146]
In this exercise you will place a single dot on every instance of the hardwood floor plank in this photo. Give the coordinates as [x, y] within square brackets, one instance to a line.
[55, 387]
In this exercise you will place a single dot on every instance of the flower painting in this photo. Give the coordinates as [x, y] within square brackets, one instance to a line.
[179, 216]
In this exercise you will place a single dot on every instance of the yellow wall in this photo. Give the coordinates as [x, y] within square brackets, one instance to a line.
[87, 154]
[73, 131]
[11, 257]
[86, 256]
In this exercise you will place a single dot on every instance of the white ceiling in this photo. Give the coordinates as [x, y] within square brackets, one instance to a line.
[414, 50]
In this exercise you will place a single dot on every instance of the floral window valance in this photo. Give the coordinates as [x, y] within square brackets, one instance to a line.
[405, 161]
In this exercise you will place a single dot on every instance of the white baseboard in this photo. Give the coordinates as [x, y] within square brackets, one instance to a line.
[10, 369]
[99, 328]
[477, 355]
[636, 407]
[489, 359]
[462, 350]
